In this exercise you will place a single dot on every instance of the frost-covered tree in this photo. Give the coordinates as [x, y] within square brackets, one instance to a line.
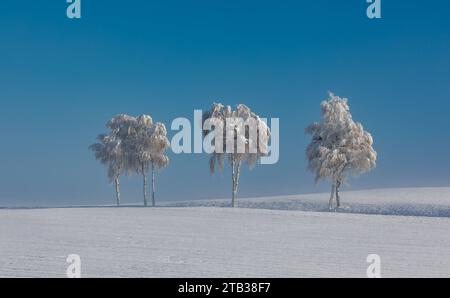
[339, 146]
[158, 159]
[110, 152]
[133, 145]
[146, 145]
[240, 135]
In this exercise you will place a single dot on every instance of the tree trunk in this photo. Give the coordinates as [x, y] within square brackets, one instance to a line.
[144, 174]
[233, 198]
[153, 186]
[117, 184]
[236, 172]
[338, 199]
[233, 181]
[330, 204]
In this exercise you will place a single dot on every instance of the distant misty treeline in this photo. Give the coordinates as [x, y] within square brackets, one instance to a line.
[136, 145]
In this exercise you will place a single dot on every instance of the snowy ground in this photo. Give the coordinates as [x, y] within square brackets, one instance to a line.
[427, 201]
[265, 240]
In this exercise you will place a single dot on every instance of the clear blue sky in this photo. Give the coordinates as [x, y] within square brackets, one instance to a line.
[62, 79]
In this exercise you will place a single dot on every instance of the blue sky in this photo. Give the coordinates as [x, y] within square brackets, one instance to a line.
[62, 79]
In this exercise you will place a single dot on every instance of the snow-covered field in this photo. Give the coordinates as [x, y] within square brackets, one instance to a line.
[408, 228]
[427, 201]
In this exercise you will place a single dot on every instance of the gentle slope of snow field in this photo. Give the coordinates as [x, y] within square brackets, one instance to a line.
[240, 242]
[426, 201]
